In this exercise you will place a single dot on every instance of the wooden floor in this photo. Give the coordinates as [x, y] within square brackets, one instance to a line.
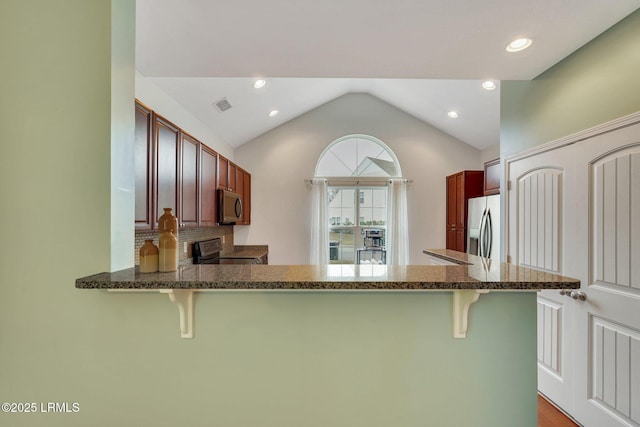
[550, 416]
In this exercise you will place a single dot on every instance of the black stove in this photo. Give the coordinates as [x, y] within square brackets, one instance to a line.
[207, 251]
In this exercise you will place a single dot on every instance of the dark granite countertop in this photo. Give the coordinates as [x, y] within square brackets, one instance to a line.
[479, 273]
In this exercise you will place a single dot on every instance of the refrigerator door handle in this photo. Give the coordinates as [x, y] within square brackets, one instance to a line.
[489, 232]
[481, 236]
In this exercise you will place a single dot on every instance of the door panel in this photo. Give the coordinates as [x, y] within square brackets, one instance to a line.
[540, 219]
[616, 215]
[460, 201]
[451, 201]
[615, 356]
[143, 158]
[188, 183]
[208, 173]
[550, 336]
[538, 236]
[167, 143]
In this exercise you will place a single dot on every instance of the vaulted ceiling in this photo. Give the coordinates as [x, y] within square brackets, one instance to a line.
[425, 57]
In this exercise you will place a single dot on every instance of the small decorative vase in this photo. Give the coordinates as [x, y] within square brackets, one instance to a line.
[148, 257]
[168, 222]
[168, 260]
[168, 241]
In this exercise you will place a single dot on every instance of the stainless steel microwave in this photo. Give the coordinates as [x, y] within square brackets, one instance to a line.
[229, 207]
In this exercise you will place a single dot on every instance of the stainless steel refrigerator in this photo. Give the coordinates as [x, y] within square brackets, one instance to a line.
[483, 227]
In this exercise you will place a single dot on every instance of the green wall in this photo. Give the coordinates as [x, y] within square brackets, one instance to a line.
[55, 116]
[598, 83]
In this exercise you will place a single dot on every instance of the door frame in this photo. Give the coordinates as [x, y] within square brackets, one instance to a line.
[624, 121]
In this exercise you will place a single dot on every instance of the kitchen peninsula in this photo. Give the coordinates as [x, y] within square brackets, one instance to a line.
[330, 339]
[464, 272]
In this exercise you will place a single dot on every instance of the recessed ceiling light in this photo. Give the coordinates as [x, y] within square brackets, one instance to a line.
[259, 83]
[489, 85]
[273, 113]
[452, 114]
[518, 44]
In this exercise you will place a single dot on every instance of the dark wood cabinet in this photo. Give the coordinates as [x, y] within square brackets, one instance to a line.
[460, 188]
[143, 161]
[454, 188]
[175, 170]
[208, 186]
[166, 144]
[229, 175]
[246, 195]
[243, 187]
[223, 172]
[189, 200]
[239, 182]
[492, 177]
[233, 177]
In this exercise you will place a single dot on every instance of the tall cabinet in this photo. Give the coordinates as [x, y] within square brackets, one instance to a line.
[166, 142]
[461, 187]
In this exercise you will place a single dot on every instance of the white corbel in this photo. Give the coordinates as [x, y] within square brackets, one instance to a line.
[463, 299]
[183, 298]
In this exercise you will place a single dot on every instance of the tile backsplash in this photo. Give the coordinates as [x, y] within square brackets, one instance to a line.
[188, 235]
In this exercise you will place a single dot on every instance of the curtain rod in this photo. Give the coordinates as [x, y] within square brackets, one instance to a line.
[358, 181]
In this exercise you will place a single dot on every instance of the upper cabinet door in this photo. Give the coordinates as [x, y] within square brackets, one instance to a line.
[233, 181]
[189, 155]
[167, 142]
[239, 187]
[223, 172]
[143, 155]
[243, 188]
[208, 185]
[246, 197]
[492, 177]
[227, 174]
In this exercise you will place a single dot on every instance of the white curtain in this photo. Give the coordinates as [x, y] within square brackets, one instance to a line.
[397, 241]
[319, 222]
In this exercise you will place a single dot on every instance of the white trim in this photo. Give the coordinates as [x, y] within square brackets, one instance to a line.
[609, 126]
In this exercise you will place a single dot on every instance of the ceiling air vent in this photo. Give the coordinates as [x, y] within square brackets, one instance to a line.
[222, 105]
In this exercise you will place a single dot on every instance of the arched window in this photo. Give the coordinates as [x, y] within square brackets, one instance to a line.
[358, 156]
[357, 209]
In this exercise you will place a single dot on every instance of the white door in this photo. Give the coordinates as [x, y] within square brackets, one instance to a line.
[607, 332]
[540, 234]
